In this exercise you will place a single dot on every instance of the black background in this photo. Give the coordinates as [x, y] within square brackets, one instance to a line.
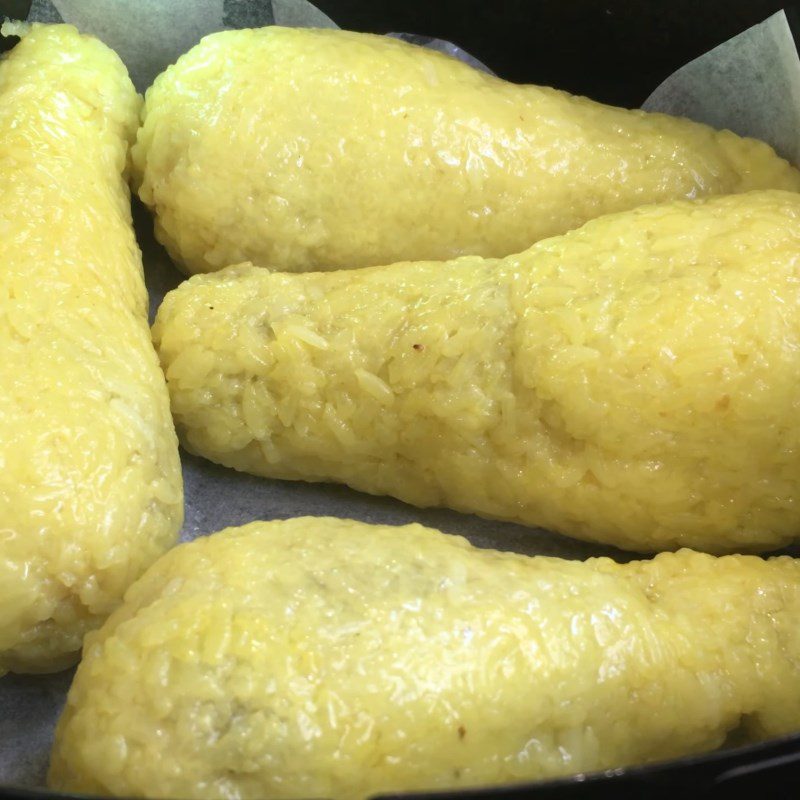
[616, 51]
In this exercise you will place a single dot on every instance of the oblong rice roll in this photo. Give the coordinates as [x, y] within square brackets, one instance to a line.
[633, 382]
[302, 149]
[90, 482]
[330, 658]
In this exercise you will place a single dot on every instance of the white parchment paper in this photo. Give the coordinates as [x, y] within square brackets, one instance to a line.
[149, 35]
[751, 85]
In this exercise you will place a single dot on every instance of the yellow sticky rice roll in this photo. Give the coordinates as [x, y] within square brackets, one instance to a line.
[90, 483]
[633, 382]
[329, 658]
[302, 149]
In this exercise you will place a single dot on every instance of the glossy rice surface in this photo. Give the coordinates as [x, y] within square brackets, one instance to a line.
[302, 149]
[632, 382]
[329, 658]
[90, 483]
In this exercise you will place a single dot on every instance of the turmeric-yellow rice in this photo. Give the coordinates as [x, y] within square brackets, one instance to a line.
[632, 382]
[330, 658]
[90, 483]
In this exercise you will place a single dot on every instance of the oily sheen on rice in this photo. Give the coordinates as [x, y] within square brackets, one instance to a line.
[632, 382]
[90, 482]
[302, 149]
[330, 658]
